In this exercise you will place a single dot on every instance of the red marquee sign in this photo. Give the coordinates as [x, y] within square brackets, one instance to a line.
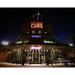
[36, 25]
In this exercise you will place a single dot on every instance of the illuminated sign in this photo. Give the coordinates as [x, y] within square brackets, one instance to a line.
[36, 47]
[36, 25]
[36, 36]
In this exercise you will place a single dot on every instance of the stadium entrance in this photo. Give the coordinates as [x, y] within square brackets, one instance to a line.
[36, 56]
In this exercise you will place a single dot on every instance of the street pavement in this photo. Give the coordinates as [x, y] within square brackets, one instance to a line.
[5, 64]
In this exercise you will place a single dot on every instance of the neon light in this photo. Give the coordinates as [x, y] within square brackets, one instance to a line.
[36, 47]
[36, 25]
[36, 36]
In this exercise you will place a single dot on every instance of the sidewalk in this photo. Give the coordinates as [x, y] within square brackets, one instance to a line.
[5, 64]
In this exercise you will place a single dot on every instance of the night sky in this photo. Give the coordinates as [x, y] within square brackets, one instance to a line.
[61, 19]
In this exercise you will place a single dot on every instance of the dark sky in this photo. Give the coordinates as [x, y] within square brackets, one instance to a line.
[61, 19]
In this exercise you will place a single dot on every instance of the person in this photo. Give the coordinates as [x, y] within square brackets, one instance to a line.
[23, 63]
[23, 58]
[41, 61]
[29, 60]
[47, 62]
[65, 63]
[19, 56]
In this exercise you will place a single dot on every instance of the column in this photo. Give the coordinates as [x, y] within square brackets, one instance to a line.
[44, 55]
[32, 56]
[39, 56]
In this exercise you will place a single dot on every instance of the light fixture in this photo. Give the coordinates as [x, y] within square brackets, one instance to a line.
[45, 32]
[5, 43]
[33, 32]
[39, 32]
[44, 50]
[46, 41]
[70, 44]
[27, 32]
[25, 50]
[26, 41]
[19, 42]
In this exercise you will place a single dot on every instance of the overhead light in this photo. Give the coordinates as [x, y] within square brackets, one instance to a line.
[46, 41]
[27, 32]
[33, 32]
[39, 32]
[45, 32]
[70, 44]
[26, 41]
[5, 43]
[19, 42]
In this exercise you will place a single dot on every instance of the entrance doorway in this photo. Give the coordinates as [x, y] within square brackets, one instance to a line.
[36, 56]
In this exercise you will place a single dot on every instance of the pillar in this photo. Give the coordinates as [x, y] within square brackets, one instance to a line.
[39, 56]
